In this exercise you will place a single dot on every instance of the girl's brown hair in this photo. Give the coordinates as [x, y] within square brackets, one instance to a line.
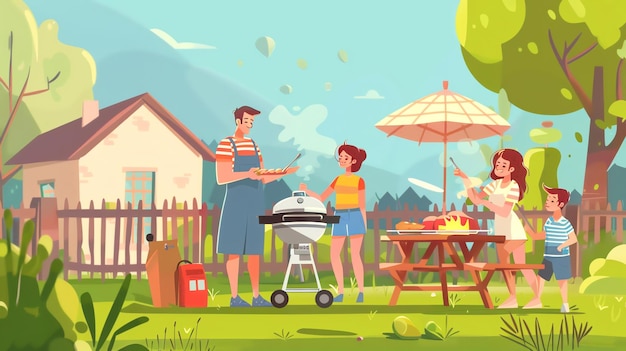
[357, 154]
[516, 160]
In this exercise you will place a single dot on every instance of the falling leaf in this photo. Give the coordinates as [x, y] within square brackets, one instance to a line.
[579, 137]
[547, 124]
[286, 89]
[265, 45]
[343, 56]
[302, 63]
[596, 186]
[552, 15]
[532, 47]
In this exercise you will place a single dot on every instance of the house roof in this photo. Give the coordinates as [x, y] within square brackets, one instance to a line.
[72, 141]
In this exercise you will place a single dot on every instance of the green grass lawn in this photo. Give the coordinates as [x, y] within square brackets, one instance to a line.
[304, 326]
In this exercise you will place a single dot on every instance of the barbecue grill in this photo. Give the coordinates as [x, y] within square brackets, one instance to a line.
[299, 221]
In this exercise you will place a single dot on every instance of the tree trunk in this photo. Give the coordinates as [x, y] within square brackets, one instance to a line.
[599, 155]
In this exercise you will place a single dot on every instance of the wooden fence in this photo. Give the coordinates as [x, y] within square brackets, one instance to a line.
[115, 234]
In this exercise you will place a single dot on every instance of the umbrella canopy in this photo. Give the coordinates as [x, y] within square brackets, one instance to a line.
[443, 117]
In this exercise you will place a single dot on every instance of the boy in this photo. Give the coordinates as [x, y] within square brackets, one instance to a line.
[559, 235]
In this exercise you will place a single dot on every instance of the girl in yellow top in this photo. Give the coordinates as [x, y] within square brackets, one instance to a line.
[349, 192]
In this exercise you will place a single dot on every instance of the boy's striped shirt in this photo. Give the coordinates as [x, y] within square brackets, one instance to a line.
[557, 233]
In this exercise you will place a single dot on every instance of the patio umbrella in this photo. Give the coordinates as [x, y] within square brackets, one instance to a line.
[445, 117]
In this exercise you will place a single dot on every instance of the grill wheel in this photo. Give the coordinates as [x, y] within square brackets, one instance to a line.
[324, 298]
[279, 298]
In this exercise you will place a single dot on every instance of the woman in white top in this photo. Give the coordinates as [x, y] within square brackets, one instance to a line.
[508, 187]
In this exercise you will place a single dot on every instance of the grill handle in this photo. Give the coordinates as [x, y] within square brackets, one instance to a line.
[321, 217]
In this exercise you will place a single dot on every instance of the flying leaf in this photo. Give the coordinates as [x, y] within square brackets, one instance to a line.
[286, 89]
[265, 45]
[579, 137]
[302, 63]
[343, 56]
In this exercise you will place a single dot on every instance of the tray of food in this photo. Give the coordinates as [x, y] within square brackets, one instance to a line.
[453, 223]
[434, 232]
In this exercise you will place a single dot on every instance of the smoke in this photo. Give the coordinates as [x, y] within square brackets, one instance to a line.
[301, 129]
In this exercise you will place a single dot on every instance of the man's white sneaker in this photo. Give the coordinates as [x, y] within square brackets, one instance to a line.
[565, 308]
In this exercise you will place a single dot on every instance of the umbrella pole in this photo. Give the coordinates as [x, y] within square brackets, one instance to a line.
[445, 162]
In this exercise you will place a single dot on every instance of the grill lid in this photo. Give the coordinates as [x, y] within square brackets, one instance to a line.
[299, 202]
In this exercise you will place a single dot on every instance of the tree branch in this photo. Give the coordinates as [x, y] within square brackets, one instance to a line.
[10, 87]
[568, 48]
[14, 110]
[583, 53]
[4, 84]
[44, 90]
[554, 49]
[10, 173]
[582, 96]
[618, 80]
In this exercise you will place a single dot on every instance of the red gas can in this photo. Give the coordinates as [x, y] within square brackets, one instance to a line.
[191, 289]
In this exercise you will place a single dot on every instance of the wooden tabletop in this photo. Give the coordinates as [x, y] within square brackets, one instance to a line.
[471, 238]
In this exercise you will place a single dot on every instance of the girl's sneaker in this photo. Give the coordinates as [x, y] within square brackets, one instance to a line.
[338, 298]
[565, 308]
[238, 302]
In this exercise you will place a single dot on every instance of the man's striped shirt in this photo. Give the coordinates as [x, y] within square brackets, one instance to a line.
[245, 147]
[557, 233]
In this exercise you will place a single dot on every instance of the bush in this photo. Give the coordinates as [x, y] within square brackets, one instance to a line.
[590, 251]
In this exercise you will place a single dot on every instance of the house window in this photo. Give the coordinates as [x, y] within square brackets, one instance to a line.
[140, 187]
[47, 189]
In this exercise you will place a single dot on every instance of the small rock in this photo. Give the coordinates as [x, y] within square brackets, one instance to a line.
[359, 338]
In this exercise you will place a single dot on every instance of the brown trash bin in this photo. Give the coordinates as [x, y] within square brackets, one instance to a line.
[163, 257]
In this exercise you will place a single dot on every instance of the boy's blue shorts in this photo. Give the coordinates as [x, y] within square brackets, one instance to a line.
[560, 266]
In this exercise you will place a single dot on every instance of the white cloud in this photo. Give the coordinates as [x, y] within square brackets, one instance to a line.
[179, 46]
[371, 94]
[301, 129]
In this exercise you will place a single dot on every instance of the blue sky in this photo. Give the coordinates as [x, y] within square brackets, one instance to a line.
[401, 49]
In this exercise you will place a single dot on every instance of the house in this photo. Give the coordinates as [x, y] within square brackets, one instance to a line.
[133, 150]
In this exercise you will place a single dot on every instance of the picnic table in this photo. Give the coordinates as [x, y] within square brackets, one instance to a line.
[444, 245]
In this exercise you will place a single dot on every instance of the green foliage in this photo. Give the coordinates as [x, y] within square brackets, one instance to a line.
[543, 164]
[593, 251]
[23, 306]
[506, 51]
[88, 311]
[607, 275]
[177, 342]
[284, 336]
[618, 108]
[579, 137]
[520, 333]
[433, 331]
[545, 136]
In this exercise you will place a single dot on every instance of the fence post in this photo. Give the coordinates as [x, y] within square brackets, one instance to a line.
[46, 223]
[572, 214]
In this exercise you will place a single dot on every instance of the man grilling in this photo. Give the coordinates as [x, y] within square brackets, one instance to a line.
[239, 233]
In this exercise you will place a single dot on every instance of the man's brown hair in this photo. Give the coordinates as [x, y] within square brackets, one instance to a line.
[245, 109]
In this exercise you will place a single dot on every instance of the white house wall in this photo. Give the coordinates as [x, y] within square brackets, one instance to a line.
[141, 143]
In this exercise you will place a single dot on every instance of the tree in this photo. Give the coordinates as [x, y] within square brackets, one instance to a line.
[554, 57]
[55, 77]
